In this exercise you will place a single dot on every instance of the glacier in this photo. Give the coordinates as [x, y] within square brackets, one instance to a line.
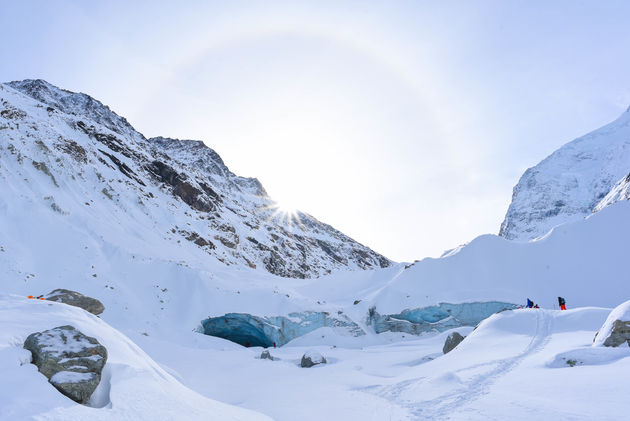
[252, 331]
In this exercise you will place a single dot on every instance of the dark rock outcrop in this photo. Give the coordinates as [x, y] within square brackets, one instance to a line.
[76, 299]
[189, 194]
[452, 341]
[619, 335]
[70, 360]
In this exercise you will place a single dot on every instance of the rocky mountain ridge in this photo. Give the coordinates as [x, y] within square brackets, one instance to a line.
[68, 154]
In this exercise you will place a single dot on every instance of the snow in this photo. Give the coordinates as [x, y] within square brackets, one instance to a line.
[55, 343]
[70, 377]
[91, 357]
[621, 312]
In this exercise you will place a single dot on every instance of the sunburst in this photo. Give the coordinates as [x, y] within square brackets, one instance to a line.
[284, 212]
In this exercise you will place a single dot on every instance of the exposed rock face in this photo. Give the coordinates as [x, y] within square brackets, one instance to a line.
[76, 299]
[71, 361]
[438, 318]
[451, 342]
[620, 191]
[569, 184]
[312, 358]
[80, 145]
[619, 335]
[249, 330]
[616, 329]
[266, 355]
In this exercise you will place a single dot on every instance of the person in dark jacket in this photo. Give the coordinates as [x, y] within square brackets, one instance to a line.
[530, 303]
[562, 303]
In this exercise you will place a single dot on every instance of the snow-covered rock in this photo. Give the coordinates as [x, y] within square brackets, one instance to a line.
[76, 299]
[79, 164]
[70, 360]
[312, 358]
[616, 329]
[569, 184]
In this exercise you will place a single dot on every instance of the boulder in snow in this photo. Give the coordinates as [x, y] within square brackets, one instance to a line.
[76, 299]
[616, 328]
[71, 361]
[266, 355]
[452, 341]
[311, 358]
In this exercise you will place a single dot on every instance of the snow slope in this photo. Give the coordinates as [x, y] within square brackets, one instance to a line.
[69, 159]
[567, 185]
[133, 386]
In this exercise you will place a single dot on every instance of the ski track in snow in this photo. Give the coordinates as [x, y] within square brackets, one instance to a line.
[441, 407]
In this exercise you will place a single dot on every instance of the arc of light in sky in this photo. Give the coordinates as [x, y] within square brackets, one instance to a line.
[373, 49]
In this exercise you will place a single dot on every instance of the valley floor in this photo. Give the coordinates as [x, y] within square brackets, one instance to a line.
[516, 365]
[513, 366]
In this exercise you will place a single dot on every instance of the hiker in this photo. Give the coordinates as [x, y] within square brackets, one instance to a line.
[530, 303]
[562, 303]
[536, 306]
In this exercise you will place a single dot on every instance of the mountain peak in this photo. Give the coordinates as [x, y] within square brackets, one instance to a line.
[202, 157]
[78, 104]
[568, 184]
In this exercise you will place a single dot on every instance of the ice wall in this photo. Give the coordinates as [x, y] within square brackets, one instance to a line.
[248, 330]
[438, 318]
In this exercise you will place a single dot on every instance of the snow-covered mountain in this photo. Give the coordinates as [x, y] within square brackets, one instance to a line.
[69, 159]
[569, 184]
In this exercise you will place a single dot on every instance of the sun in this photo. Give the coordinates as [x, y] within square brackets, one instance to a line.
[286, 208]
[285, 212]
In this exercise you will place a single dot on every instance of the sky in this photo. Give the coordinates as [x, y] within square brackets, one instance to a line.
[404, 124]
